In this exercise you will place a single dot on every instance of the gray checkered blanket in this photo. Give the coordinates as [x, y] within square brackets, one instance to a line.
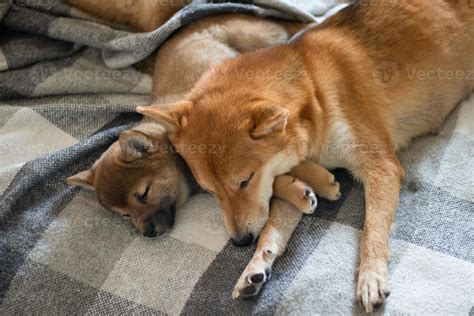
[67, 89]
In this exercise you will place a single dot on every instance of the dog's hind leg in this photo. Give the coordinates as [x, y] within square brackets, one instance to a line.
[272, 243]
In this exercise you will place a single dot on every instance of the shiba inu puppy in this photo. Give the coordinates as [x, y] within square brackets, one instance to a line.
[342, 94]
[141, 177]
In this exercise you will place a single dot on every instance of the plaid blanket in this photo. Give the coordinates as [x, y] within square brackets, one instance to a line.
[67, 89]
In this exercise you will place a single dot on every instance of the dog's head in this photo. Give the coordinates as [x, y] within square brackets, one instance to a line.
[236, 136]
[140, 178]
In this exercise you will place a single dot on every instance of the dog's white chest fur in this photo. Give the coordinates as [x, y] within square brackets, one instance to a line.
[339, 151]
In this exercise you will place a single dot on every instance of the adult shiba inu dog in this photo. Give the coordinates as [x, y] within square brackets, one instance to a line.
[141, 177]
[341, 94]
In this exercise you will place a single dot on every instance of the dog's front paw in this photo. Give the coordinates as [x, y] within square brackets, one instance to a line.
[372, 286]
[255, 275]
[330, 190]
[303, 197]
[309, 202]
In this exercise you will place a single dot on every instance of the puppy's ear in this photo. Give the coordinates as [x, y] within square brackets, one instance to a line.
[83, 179]
[269, 120]
[142, 140]
[171, 116]
[135, 145]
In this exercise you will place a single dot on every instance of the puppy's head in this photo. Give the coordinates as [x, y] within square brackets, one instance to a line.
[140, 178]
[236, 137]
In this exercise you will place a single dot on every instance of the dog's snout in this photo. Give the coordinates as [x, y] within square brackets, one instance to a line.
[243, 242]
[150, 232]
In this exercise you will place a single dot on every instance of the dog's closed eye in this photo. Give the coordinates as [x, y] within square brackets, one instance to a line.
[245, 183]
[144, 197]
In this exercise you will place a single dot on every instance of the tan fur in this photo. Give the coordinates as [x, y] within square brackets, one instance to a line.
[342, 95]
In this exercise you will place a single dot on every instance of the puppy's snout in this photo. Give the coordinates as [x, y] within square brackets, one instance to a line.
[243, 242]
[150, 232]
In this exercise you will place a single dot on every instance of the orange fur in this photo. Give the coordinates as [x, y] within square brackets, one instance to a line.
[342, 94]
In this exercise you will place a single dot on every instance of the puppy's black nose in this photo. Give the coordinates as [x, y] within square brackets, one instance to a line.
[246, 241]
[150, 232]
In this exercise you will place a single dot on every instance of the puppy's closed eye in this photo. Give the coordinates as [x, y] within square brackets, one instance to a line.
[144, 197]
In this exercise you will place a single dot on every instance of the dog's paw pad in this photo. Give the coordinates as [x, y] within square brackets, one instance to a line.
[250, 290]
[251, 281]
[256, 278]
[247, 290]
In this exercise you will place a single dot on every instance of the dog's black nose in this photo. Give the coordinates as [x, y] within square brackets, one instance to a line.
[246, 241]
[150, 232]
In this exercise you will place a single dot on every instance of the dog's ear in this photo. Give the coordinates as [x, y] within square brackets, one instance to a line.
[83, 179]
[269, 120]
[142, 140]
[171, 116]
[135, 145]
